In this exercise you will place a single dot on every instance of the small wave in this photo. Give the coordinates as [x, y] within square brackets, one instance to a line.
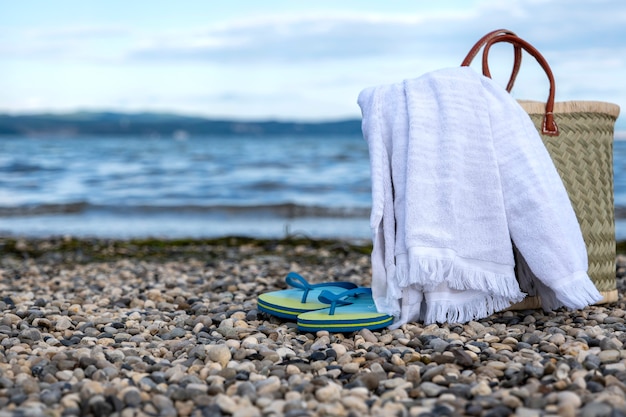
[42, 209]
[291, 210]
[19, 167]
[285, 210]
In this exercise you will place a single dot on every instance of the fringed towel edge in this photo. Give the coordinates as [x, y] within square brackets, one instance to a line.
[428, 272]
[439, 311]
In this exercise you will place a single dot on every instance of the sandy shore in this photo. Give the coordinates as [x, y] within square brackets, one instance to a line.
[166, 328]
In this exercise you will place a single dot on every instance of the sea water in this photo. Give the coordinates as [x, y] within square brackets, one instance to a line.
[259, 186]
[124, 187]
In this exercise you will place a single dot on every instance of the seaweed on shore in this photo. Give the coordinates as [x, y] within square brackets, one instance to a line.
[83, 250]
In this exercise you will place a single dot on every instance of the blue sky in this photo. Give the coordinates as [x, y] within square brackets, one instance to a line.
[287, 60]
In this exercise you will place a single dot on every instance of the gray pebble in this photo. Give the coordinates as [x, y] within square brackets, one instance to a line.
[596, 409]
[592, 362]
[168, 338]
[430, 389]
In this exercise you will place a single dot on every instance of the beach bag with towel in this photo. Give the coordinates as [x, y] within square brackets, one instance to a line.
[579, 137]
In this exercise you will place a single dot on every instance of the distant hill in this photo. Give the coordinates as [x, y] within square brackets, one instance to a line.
[154, 124]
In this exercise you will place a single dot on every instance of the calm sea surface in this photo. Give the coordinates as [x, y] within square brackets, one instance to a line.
[126, 187]
[198, 187]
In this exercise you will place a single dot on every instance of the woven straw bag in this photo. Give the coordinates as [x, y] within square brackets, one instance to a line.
[579, 137]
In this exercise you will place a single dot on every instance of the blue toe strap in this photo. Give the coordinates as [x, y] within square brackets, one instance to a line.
[296, 280]
[328, 297]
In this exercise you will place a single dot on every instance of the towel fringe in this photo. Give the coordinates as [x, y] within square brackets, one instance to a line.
[577, 294]
[402, 275]
[428, 273]
[476, 308]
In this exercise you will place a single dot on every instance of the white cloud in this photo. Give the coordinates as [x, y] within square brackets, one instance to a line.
[314, 62]
[313, 36]
[82, 42]
[290, 38]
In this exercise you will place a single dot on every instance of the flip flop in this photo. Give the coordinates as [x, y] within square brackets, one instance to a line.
[349, 311]
[303, 297]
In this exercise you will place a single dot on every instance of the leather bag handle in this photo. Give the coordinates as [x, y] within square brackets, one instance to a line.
[549, 126]
[487, 38]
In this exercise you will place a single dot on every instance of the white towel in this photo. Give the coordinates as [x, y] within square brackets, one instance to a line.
[458, 171]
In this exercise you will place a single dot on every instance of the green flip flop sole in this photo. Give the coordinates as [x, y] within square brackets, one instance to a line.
[350, 311]
[290, 303]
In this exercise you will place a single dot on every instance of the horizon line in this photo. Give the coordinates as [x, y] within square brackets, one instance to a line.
[180, 114]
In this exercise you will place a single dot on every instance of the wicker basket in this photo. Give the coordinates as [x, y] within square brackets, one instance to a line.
[579, 137]
[583, 156]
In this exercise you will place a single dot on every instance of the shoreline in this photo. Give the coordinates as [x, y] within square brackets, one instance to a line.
[133, 246]
[171, 327]
[67, 249]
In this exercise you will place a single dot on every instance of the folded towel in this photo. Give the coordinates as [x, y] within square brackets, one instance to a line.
[458, 172]
[542, 222]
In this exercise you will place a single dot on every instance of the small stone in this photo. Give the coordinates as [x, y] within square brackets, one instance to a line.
[50, 396]
[329, 393]
[247, 411]
[527, 412]
[131, 397]
[412, 374]
[321, 343]
[592, 362]
[482, 388]
[431, 389]
[285, 352]
[462, 357]
[63, 323]
[569, 397]
[615, 367]
[596, 409]
[534, 370]
[609, 344]
[594, 387]
[370, 380]
[351, 368]
[220, 354]
[433, 371]
[355, 404]
[268, 386]
[245, 389]
[609, 356]
[91, 388]
[31, 334]
[442, 358]
[473, 410]
[562, 371]
[512, 402]
[64, 375]
[338, 349]
[557, 338]
[438, 345]
[368, 336]
[292, 369]
[226, 404]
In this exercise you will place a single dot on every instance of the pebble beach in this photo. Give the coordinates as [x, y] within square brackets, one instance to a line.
[95, 327]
